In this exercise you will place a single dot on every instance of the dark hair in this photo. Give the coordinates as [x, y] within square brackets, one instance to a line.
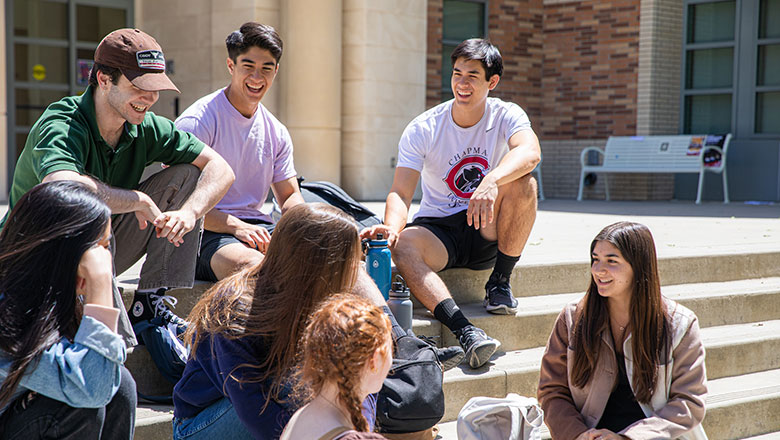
[254, 34]
[649, 322]
[482, 50]
[339, 341]
[41, 245]
[113, 72]
[314, 253]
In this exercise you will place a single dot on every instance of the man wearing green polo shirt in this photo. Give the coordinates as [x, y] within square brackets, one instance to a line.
[104, 139]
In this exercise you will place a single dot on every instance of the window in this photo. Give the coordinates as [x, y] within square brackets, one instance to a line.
[50, 47]
[767, 118]
[463, 19]
[731, 59]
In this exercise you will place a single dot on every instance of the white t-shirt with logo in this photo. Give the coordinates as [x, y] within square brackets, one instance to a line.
[453, 160]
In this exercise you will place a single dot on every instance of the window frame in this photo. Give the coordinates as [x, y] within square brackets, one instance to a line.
[744, 88]
[445, 91]
[70, 42]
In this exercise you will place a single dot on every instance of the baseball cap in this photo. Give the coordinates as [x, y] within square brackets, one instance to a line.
[138, 56]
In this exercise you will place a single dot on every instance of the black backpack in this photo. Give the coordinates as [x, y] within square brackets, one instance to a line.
[411, 398]
[332, 194]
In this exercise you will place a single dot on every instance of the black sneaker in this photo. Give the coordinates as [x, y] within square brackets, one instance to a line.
[449, 357]
[155, 306]
[160, 330]
[479, 346]
[498, 296]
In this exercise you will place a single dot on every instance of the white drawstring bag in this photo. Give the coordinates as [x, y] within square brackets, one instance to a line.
[512, 418]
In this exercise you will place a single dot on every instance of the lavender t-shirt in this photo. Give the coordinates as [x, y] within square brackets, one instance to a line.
[259, 150]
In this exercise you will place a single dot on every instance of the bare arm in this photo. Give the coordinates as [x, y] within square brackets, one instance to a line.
[215, 179]
[119, 200]
[287, 193]
[396, 206]
[524, 154]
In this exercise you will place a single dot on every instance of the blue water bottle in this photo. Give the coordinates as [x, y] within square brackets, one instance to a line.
[378, 264]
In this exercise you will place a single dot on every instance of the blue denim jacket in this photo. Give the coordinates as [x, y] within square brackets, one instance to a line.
[84, 373]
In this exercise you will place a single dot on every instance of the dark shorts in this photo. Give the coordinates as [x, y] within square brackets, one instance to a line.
[212, 242]
[465, 246]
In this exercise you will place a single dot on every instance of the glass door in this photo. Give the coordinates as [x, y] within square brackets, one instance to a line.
[51, 44]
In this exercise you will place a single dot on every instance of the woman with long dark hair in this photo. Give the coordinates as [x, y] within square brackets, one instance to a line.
[60, 356]
[624, 362]
[245, 331]
[346, 352]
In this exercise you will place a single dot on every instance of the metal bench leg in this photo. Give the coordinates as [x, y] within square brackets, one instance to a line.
[606, 186]
[539, 184]
[725, 186]
[582, 182]
[701, 185]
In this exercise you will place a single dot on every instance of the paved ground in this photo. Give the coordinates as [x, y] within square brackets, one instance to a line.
[564, 228]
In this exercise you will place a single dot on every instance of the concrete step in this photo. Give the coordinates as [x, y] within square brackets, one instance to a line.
[528, 280]
[737, 407]
[153, 422]
[743, 406]
[467, 285]
[731, 350]
[769, 436]
[755, 348]
[715, 304]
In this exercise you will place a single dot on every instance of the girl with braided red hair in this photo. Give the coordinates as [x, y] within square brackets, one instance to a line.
[346, 354]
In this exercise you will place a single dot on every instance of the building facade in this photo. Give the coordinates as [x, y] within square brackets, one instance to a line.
[355, 72]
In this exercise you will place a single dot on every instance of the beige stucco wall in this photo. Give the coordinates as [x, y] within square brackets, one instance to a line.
[3, 114]
[311, 85]
[383, 88]
[351, 77]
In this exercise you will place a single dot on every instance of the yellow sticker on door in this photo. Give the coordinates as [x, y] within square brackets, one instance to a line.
[39, 72]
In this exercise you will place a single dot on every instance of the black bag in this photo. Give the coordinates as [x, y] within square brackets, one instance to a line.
[411, 398]
[332, 194]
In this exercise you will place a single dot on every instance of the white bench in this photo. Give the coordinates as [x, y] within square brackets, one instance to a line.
[661, 154]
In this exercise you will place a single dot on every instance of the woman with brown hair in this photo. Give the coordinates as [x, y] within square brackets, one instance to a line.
[624, 362]
[245, 331]
[346, 353]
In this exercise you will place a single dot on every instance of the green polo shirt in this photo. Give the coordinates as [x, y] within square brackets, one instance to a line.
[66, 137]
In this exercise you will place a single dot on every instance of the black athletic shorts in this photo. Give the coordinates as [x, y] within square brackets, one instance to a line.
[465, 246]
[212, 242]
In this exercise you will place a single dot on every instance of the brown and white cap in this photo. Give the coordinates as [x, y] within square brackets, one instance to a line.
[138, 56]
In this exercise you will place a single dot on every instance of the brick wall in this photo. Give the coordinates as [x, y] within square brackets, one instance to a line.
[433, 59]
[590, 69]
[574, 66]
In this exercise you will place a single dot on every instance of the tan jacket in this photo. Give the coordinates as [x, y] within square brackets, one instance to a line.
[676, 408]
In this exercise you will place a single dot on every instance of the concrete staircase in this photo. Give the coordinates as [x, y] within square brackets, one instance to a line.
[736, 297]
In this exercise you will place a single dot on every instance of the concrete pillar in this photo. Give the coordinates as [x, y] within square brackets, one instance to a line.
[384, 88]
[4, 147]
[310, 83]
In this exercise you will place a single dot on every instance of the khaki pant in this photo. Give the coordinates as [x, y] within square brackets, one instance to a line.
[166, 265]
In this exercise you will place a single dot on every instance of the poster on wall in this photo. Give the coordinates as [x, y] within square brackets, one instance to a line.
[83, 68]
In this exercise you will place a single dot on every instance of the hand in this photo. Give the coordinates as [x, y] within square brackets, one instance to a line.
[94, 275]
[389, 234]
[172, 225]
[148, 212]
[481, 204]
[253, 236]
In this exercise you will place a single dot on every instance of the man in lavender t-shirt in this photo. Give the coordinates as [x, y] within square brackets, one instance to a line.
[255, 144]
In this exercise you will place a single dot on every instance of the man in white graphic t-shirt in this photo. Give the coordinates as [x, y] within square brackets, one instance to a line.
[475, 155]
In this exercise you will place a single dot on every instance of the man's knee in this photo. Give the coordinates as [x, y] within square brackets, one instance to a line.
[522, 189]
[406, 248]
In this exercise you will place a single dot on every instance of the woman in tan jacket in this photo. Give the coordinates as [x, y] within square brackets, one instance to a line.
[624, 362]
